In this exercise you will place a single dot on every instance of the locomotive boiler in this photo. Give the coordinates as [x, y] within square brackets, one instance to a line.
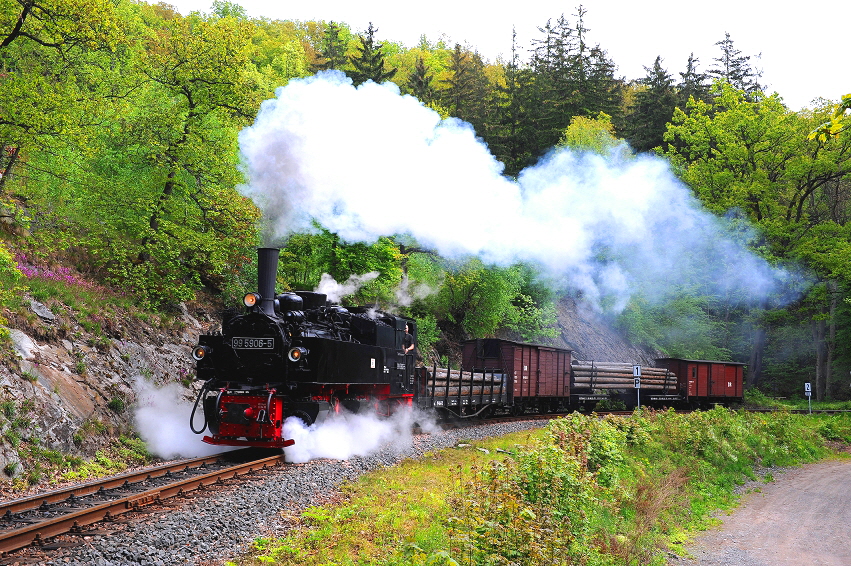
[296, 355]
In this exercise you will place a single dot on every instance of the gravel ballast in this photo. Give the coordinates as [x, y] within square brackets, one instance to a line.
[211, 529]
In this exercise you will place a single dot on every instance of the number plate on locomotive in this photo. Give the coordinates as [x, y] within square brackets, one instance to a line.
[252, 343]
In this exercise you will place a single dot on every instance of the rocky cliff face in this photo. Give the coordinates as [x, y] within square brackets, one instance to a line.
[592, 338]
[72, 390]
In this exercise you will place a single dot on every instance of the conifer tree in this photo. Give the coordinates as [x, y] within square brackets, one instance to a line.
[735, 68]
[369, 63]
[511, 137]
[333, 54]
[571, 79]
[654, 105]
[692, 83]
[467, 88]
[419, 82]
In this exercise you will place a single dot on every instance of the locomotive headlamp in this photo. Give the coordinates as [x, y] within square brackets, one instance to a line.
[250, 299]
[200, 352]
[296, 354]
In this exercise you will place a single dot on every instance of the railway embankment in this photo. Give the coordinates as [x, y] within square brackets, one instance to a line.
[69, 382]
[617, 490]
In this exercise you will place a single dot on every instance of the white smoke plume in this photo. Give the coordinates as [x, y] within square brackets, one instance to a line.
[337, 291]
[162, 418]
[367, 162]
[344, 435]
[408, 291]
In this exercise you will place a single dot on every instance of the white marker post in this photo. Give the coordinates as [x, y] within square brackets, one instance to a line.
[636, 373]
[808, 391]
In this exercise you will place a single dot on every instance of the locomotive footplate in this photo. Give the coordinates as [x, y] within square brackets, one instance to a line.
[227, 441]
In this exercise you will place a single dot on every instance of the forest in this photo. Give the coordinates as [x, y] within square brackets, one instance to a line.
[119, 125]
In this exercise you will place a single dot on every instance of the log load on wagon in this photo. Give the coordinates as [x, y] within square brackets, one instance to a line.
[614, 375]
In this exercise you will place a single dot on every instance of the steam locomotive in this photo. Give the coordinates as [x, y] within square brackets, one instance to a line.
[292, 354]
[296, 355]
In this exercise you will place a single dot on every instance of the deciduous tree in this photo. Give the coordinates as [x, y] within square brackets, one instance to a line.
[754, 156]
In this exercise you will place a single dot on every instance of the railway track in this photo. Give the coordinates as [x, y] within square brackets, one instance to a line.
[35, 519]
[32, 520]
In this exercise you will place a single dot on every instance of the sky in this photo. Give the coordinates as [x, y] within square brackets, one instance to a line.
[800, 44]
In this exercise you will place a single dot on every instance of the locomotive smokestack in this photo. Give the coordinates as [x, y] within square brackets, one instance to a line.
[267, 269]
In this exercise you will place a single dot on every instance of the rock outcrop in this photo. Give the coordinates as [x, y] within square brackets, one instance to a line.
[74, 393]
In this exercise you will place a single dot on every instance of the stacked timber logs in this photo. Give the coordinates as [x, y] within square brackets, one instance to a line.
[615, 375]
[442, 383]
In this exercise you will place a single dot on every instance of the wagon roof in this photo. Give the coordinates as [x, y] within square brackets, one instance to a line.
[702, 361]
[545, 346]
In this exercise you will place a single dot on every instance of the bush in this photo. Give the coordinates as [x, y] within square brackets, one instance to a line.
[10, 289]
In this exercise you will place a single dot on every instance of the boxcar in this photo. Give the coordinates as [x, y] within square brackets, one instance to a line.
[702, 382]
[538, 376]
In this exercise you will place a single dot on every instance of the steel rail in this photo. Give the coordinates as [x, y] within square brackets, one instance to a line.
[40, 530]
[80, 490]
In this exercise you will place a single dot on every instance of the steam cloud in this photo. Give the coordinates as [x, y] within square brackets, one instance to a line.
[161, 417]
[408, 291]
[367, 162]
[343, 435]
[337, 291]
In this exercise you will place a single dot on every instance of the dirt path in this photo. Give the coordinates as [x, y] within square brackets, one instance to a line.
[802, 518]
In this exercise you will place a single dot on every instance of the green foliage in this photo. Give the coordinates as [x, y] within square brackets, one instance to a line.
[651, 109]
[590, 134]
[10, 277]
[427, 332]
[685, 326]
[478, 299]
[735, 69]
[117, 404]
[618, 481]
[836, 125]
[332, 54]
[754, 398]
[749, 156]
[10, 288]
[306, 257]
[754, 157]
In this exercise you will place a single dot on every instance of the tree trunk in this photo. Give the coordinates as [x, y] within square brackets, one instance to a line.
[757, 353]
[154, 220]
[12, 157]
[819, 328]
[833, 298]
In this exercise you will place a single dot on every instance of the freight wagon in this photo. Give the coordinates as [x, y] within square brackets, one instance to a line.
[704, 382]
[516, 377]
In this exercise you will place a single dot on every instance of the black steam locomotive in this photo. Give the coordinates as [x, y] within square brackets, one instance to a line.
[292, 354]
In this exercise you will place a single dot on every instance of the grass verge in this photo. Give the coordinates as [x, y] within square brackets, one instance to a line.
[581, 491]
